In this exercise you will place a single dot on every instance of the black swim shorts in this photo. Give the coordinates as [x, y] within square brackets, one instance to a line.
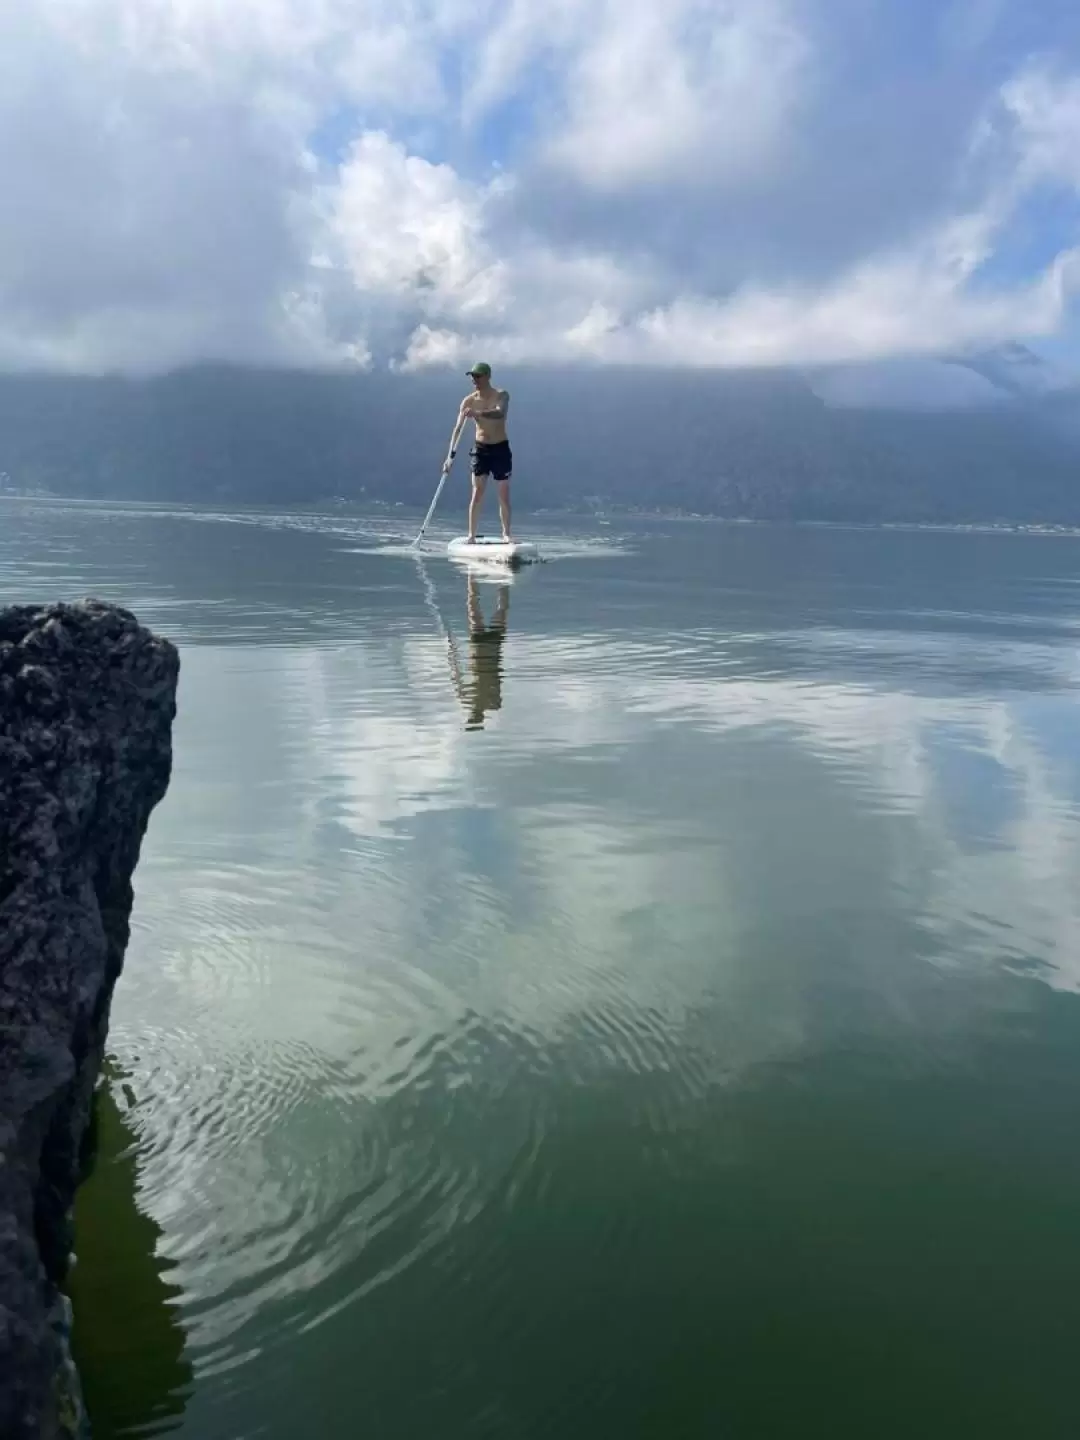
[494, 460]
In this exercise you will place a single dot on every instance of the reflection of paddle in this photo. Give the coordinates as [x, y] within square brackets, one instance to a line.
[433, 605]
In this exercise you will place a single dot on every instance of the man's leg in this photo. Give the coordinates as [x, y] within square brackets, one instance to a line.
[504, 506]
[479, 485]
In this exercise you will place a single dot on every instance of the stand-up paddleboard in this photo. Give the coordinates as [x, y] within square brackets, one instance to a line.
[488, 548]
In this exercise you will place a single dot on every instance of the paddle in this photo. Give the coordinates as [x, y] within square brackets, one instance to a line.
[431, 508]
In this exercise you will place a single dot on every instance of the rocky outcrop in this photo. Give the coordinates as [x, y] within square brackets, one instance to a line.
[87, 701]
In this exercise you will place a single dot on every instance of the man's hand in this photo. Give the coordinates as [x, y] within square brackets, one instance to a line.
[447, 463]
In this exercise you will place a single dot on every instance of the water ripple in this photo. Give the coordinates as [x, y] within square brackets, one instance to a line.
[439, 1036]
[381, 1167]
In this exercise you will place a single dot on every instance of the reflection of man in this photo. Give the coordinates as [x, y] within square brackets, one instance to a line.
[482, 691]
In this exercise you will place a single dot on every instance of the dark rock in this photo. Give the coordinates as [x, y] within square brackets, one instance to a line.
[87, 701]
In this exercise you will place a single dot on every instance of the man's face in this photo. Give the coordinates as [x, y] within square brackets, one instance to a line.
[477, 380]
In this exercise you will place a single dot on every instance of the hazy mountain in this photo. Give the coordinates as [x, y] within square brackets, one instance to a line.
[1016, 370]
[760, 444]
[976, 379]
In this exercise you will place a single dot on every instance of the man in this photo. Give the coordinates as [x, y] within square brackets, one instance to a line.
[487, 408]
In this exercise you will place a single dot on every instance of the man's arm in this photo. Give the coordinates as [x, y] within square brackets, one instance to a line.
[463, 415]
[501, 408]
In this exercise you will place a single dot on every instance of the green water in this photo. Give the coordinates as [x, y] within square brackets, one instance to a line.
[636, 1001]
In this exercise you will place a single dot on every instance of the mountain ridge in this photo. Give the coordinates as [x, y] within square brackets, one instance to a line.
[745, 444]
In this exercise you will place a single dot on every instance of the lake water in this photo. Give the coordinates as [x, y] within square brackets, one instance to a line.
[640, 1000]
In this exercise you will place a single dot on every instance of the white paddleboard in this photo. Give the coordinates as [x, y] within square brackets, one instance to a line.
[488, 548]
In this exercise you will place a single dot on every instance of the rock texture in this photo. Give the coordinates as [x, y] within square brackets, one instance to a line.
[87, 701]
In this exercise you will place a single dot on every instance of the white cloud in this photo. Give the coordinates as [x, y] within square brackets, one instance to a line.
[920, 298]
[162, 203]
[150, 214]
[1044, 109]
[685, 90]
[406, 227]
[910, 303]
[670, 91]
[170, 195]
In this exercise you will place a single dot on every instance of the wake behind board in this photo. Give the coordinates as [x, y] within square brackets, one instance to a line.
[488, 548]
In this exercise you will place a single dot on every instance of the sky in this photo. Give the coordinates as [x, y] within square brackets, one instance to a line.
[421, 183]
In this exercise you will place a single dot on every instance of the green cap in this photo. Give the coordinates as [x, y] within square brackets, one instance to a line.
[480, 368]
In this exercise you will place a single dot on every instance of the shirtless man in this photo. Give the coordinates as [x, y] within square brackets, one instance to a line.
[487, 408]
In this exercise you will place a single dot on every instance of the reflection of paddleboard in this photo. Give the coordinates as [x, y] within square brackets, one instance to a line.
[491, 572]
[488, 548]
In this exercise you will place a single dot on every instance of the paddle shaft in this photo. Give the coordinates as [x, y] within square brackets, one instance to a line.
[431, 507]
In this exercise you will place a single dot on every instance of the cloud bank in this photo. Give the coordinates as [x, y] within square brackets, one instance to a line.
[712, 182]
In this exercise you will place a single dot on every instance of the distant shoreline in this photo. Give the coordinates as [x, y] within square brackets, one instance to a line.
[330, 507]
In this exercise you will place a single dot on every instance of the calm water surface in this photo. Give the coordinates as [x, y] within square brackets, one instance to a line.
[636, 1001]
